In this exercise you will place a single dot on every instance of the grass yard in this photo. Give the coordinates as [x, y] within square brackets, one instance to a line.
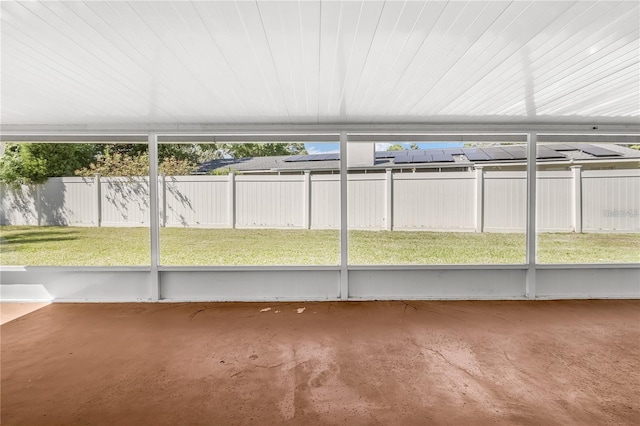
[29, 245]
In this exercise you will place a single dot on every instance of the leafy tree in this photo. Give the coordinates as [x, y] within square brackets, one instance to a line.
[223, 172]
[243, 150]
[200, 152]
[188, 151]
[119, 164]
[36, 162]
[399, 147]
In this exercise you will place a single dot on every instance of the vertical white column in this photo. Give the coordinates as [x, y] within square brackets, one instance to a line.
[39, 203]
[163, 200]
[231, 201]
[98, 202]
[306, 210]
[344, 235]
[532, 141]
[577, 198]
[388, 200]
[154, 217]
[479, 198]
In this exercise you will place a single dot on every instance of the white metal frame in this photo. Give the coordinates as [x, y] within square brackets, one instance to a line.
[185, 283]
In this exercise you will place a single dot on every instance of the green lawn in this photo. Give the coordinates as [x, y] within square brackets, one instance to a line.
[28, 245]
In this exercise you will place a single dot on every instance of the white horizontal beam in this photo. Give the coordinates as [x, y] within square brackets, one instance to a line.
[368, 128]
[287, 137]
[40, 137]
[438, 137]
[621, 138]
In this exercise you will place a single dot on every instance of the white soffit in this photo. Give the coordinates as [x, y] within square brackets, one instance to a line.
[311, 62]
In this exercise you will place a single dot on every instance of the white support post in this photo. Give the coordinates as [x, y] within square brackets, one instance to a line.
[577, 198]
[388, 200]
[344, 226]
[532, 141]
[306, 211]
[39, 203]
[98, 202]
[154, 217]
[231, 201]
[163, 195]
[479, 198]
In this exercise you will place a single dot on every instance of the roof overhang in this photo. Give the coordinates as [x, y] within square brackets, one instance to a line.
[315, 67]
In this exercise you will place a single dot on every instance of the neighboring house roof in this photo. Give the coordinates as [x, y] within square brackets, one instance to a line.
[428, 158]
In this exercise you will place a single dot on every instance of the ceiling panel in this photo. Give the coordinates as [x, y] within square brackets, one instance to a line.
[284, 62]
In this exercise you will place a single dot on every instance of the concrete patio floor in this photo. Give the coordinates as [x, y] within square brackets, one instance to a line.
[387, 363]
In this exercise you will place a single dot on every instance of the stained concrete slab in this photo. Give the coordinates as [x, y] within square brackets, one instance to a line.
[356, 363]
[13, 310]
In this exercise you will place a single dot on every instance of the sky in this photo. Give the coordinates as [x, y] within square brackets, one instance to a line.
[323, 148]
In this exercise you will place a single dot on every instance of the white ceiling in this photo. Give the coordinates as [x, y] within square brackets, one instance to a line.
[310, 62]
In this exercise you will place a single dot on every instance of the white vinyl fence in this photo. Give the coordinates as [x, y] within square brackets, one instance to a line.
[480, 201]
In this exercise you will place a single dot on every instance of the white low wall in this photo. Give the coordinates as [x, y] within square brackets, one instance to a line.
[172, 284]
[490, 201]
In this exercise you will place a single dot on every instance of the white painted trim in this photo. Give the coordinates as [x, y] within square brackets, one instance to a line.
[99, 284]
[81, 132]
[154, 216]
[611, 266]
[411, 282]
[521, 267]
[306, 210]
[231, 201]
[576, 195]
[25, 268]
[388, 200]
[248, 268]
[479, 213]
[530, 230]
[344, 224]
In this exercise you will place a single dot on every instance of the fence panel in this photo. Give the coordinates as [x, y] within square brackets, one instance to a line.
[366, 201]
[555, 201]
[124, 201]
[611, 200]
[196, 201]
[438, 201]
[269, 201]
[505, 201]
[18, 204]
[325, 201]
[434, 202]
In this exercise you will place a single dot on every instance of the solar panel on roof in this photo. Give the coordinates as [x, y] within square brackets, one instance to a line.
[333, 156]
[517, 152]
[442, 158]
[562, 147]
[475, 154]
[598, 151]
[421, 158]
[546, 153]
[453, 151]
[498, 154]
[403, 159]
